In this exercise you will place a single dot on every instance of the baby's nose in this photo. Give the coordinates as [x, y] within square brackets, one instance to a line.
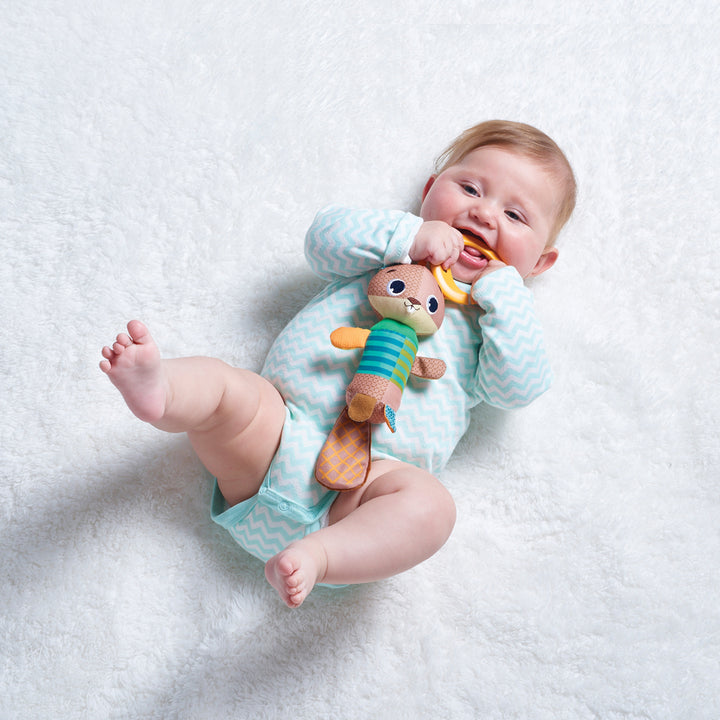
[483, 211]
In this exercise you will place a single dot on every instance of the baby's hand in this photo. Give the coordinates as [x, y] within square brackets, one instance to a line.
[492, 266]
[438, 243]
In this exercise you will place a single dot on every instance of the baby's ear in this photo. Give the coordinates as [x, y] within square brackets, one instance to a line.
[428, 185]
[545, 262]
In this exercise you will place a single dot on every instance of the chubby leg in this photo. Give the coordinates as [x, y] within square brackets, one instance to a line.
[233, 418]
[400, 517]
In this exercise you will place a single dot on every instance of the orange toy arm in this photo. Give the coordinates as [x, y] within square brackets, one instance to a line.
[347, 338]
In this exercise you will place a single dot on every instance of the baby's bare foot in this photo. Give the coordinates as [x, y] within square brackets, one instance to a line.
[134, 366]
[294, 571]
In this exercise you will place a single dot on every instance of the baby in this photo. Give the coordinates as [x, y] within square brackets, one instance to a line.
[509, 187]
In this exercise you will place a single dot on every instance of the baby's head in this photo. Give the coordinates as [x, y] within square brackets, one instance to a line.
[509, 184]
[527, 141]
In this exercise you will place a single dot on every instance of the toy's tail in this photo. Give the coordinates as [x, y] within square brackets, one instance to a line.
[344, 460]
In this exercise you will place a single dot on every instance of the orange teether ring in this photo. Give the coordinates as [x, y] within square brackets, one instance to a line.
[445, 277]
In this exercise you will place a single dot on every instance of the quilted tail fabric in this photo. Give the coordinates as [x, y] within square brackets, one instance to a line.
[344, 460]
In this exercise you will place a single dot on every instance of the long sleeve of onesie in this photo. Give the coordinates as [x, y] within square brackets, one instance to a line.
[512, 367]
[347, 243]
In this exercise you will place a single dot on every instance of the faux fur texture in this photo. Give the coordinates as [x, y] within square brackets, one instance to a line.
[163, 160]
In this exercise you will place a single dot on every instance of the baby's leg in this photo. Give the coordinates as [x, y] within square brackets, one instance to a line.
[233, 417]
[400, 517]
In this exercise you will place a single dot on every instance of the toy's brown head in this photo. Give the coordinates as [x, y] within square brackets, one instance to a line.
[410, 295]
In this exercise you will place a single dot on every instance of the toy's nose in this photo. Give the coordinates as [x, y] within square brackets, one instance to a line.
[412, 305]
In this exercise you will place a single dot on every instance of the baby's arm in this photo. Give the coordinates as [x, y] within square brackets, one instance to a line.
[347, 243]
[513, 367]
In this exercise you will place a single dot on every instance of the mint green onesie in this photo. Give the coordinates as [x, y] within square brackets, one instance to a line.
[493, 350]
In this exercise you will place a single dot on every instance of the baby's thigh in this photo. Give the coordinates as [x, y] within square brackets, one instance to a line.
[239, 450]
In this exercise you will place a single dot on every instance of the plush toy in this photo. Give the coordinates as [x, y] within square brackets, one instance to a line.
[410, 302]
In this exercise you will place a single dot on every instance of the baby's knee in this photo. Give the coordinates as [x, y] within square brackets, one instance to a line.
[433, 507]
[442, 512]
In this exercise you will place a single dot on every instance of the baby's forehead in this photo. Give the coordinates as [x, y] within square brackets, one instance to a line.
[499, 156]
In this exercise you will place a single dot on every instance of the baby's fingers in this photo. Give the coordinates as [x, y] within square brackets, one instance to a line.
[453, 252]
[437, 243]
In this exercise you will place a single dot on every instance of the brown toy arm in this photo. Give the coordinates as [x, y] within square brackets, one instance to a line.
[428, 368]
[347, 338]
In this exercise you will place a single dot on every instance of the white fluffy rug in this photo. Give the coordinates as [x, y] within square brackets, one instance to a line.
[163, 160]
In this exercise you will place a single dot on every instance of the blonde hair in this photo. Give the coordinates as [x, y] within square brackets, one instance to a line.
[524, 140]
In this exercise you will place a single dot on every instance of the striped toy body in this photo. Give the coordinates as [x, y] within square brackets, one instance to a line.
[383, 372]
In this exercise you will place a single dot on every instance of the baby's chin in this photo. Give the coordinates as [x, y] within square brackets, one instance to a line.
[468, 273]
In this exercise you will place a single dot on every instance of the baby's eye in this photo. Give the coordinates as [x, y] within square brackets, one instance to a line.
[471, 190]
[396, 287]
[513, 215]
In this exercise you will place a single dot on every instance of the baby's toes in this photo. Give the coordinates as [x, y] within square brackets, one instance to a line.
[294, 585]
[124, 339]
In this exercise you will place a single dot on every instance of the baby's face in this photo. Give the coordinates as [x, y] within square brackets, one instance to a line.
[507, 201]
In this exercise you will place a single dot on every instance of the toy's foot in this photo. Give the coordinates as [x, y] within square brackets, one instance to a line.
[361, 407]
[344, 460]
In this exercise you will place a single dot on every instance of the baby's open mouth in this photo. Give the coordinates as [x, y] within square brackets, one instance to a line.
[476, 252]
[472, 257]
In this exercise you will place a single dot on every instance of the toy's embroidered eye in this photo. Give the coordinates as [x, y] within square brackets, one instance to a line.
[432, 304]
[396, 287]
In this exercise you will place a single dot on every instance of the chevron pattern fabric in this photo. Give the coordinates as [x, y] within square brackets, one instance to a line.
[264, 533]
[265, 524]
[390, 232]
[514, 368]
